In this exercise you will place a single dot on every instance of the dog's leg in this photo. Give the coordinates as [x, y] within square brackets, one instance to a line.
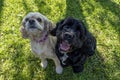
[59, 68]
[43, 63]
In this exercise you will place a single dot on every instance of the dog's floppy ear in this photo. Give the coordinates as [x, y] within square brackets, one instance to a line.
[23, 31]
[48, 25]
[53, 31]
[82, 31]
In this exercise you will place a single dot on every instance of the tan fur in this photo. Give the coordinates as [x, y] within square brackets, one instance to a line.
[45, 49]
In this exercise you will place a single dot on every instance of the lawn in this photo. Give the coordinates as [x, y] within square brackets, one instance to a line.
[101, 17]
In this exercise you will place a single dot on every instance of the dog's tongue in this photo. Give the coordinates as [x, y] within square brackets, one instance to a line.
[64, 46]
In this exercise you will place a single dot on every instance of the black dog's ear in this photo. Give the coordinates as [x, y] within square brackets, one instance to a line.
[54, 30]
[82, 31]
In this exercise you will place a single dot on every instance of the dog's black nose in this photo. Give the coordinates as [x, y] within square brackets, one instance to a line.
[31, 21]
[68, 36]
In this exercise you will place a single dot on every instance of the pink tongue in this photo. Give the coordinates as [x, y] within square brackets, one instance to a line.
[64, 46]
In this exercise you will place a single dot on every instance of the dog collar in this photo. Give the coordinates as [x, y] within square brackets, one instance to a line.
[42, 39]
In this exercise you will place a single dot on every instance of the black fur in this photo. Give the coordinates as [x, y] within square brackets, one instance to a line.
[82, 44]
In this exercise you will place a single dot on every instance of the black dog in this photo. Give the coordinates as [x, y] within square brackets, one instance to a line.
[74, 43]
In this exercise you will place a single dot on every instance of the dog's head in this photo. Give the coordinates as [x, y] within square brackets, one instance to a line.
[34, 23]
[70, 34]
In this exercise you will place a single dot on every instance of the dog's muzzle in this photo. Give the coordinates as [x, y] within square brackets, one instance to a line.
[67, 36]
[32, 23]
[65, 45]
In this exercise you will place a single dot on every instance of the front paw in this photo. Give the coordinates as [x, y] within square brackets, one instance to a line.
[44, 64]
[59, 70]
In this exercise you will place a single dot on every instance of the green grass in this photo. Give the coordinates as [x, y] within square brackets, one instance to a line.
[101, 17]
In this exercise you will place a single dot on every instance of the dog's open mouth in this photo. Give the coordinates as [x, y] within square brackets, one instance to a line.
[64, 46]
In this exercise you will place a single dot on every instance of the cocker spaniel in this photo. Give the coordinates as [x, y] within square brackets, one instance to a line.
[36, 27]
[74, 43]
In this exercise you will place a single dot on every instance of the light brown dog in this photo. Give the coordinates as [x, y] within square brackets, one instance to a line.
[36, 27]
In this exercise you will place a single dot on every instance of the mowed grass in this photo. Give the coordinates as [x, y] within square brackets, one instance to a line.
[101, 17]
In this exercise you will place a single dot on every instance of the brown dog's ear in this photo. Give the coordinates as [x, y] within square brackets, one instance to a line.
[24, 32]
[48, 25]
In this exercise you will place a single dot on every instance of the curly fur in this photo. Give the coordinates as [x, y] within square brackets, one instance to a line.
[77, 43]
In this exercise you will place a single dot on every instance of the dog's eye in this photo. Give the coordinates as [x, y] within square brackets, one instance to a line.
[39, 20]
[66, 27]
[26, 19]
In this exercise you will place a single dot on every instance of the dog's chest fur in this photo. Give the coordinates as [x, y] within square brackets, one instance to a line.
[43, 49]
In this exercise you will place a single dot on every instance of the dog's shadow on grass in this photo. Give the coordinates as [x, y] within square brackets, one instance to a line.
[1, 8]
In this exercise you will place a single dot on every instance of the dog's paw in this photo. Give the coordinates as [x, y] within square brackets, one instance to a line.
[44, 64]
[59, 70]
